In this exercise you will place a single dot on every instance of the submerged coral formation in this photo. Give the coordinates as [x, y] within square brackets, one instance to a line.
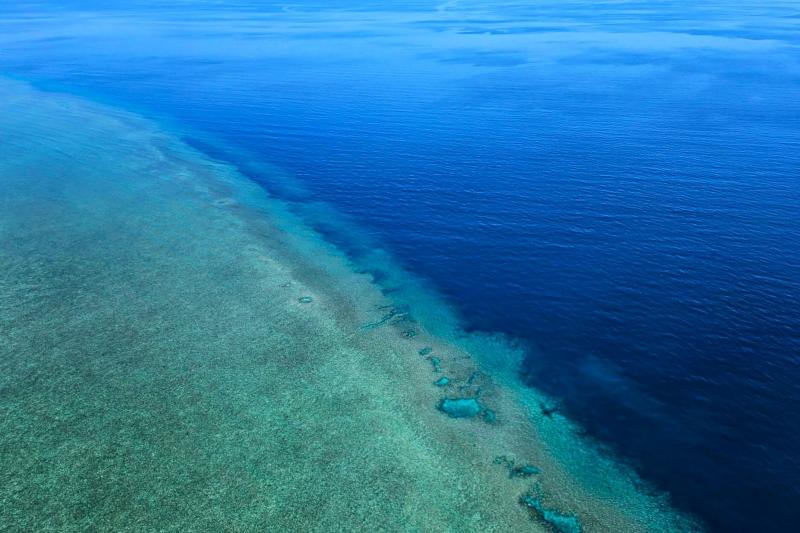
[163, 364]
[516, 471]
[524, 471]
[393, 316]
[460, 407]
[562, 523]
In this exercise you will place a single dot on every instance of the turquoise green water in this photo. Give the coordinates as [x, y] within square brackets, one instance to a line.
[178, 353]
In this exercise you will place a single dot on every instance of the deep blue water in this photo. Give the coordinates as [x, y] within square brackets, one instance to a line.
[614, 184]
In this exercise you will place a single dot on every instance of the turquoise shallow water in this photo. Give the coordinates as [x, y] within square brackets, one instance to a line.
[179, 352]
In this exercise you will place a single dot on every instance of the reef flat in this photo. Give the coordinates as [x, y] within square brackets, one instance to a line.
[178, 352]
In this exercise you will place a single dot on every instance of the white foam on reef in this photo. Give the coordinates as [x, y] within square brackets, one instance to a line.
[180, 351]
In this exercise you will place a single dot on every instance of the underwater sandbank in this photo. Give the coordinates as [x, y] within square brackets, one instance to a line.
[180, 352]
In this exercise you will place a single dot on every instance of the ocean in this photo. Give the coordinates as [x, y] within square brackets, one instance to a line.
[610, 188]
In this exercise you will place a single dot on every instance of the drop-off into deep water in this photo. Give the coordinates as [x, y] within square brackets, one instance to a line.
[177, 352]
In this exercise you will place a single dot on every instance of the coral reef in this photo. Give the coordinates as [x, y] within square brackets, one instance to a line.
[460, 407]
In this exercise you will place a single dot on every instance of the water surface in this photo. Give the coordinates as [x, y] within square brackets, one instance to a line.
[611, 184]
